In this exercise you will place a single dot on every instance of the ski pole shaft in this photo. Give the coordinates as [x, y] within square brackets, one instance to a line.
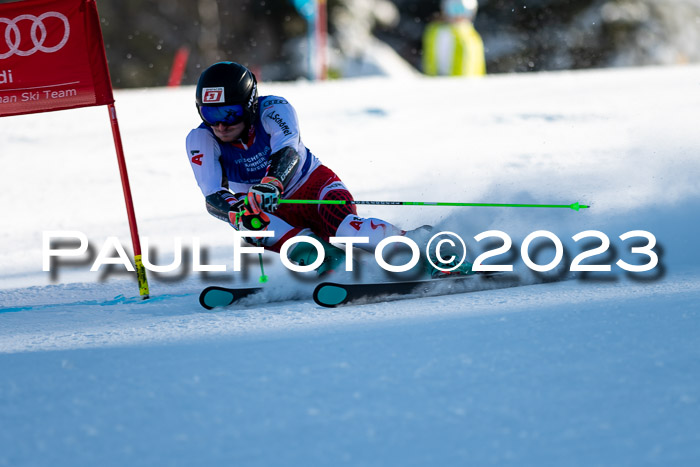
[575, 206]
[263, 277]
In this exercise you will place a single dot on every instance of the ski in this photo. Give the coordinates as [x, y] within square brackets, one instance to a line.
[216, 297]
[332, 294]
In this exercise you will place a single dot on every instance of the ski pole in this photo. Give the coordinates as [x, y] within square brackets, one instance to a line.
[263, 277]
[575, 206]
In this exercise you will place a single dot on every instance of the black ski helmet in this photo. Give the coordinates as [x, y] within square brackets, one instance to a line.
[228, 83]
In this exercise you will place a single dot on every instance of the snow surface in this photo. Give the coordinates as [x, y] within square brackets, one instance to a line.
[597, 371]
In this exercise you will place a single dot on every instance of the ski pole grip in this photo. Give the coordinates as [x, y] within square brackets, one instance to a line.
[255, 221]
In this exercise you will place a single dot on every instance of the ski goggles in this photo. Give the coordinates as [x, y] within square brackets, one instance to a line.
[226, 114]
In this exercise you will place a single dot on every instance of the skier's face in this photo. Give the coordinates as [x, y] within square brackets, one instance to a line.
[228, 133]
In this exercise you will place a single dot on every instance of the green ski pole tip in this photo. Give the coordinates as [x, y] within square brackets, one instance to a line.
[263, 277]
[576, 206]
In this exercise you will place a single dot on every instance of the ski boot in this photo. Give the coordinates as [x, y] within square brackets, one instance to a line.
[305, 253]
[421, 236]
[464, 269]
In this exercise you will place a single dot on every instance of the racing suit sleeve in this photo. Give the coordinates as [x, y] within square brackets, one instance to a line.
[289, 155]
[204, 153]
[279, 119]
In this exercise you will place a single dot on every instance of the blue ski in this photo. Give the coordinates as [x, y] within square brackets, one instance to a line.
[216, 297]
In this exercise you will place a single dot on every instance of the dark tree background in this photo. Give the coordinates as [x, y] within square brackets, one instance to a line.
[534, 35]
[143, 36]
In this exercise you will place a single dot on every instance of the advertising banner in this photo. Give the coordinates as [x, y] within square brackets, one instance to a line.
[51, 57]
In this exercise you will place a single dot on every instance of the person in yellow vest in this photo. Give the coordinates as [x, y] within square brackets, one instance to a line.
[451, 45]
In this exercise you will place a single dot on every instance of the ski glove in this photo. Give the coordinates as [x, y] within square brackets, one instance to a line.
[236, 211]
[241, 219]
[265, 196]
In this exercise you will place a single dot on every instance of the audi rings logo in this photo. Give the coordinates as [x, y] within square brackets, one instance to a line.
[16, 30]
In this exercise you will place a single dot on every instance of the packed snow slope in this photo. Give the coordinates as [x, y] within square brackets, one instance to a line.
[602, 370]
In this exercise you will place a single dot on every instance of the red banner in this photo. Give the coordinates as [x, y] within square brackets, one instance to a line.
[51, 57]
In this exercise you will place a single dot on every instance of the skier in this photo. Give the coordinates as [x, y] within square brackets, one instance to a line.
[451, 45]
[248, 154]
